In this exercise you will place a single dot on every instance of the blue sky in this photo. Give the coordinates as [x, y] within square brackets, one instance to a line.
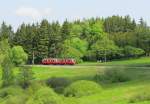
[15, 12]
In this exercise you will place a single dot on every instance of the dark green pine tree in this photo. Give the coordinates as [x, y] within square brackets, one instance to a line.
[66, 31]
[27, 37]
[31, 42]
[43, 40]
[19, 37]
[6, 32]
[65, 35]
[133, 25]
[34, 41]
[142, 23]
[54, 39]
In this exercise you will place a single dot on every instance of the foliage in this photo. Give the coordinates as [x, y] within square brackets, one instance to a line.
[82, 39]
[10, 91]
[27, 37]
[4, 49]
[45, 95]
[113, 76]
[82, 88]
[142, 37]
[19, 57]
[16, 99]
[25, 76]
[34, 87]
[42, 47]
[13, 95]
[105, 48]
[6, 63]
[10, 58]
[80, 45]
[76, 30]
[54, 46]
[132, 51]
[5, 32]
[7, 72]
[119, 24]
[71, 52]
[65, 31]
[74, 48]
[92, 31]
[58, 84]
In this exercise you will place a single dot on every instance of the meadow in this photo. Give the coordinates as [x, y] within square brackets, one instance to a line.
[134, 91]
[113, 93]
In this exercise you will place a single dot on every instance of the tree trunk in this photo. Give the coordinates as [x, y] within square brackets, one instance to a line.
[105, 56]
[33, 57]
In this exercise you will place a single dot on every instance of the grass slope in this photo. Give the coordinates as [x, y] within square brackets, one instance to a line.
[118, 93]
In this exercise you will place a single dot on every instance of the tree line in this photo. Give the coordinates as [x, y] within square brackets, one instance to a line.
[93, 39]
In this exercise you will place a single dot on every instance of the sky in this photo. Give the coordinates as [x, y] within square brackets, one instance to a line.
[15, 12]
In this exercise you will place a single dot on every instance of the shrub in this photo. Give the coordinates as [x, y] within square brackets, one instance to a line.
[113, 76]
[45, 95]
[82, 88]
[25, 76]
[140, 97]
[13, 95]
[58, 84]
[19, 57]
[11, 91]
[34, 87]
[18, 99]
[130, 51]
[30, 101]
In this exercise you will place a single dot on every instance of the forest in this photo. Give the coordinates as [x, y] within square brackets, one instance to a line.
[112, 54]
[94, 39]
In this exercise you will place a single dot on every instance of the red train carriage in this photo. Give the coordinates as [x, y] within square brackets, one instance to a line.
[55, 61]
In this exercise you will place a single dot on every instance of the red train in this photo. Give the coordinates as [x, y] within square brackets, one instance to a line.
[55, 61]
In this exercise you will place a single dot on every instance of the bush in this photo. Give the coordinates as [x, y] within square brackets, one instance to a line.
[18, 99]
[130, 51]
[19, 57]
[13, 95]
[45, 95]
[82, 88]
[34, 87]
[140, 97]
[113, 76]
[25, 76]
[58, 84]
[11, 91]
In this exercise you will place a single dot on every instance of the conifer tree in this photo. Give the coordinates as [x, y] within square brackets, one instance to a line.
[43, 40]
[6, 32]
[54, 39]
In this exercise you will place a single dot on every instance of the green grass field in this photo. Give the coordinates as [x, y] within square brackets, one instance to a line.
[117, 93]
[143, 61]
[87, 69]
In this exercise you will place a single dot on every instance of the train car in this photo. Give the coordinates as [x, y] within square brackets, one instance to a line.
[55, 61]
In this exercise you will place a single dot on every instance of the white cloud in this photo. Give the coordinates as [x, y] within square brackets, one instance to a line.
[32, 12]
